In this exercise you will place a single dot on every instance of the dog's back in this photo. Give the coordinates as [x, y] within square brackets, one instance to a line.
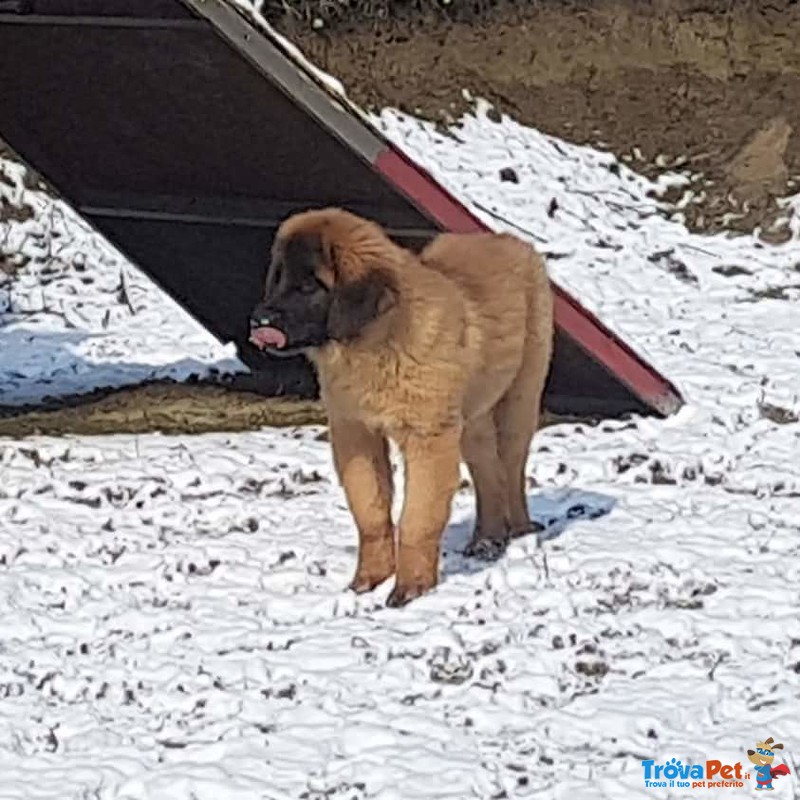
[504, 277]
[491, 268]
[506, 285]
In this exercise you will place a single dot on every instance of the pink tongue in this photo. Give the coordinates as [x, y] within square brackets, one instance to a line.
[268, 337]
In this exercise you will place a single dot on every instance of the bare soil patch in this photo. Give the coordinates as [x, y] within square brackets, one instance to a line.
[708, 88]
[171, 408]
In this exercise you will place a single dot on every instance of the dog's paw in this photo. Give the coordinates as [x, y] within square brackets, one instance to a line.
[405, 593]
[366, 581]
[486, 549]
[376, 563]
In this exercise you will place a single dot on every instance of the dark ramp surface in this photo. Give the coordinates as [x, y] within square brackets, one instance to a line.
[185, 135]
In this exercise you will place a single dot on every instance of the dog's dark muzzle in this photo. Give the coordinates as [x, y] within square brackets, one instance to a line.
[266, 330]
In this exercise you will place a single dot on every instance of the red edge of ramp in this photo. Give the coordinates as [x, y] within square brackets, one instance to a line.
[581, 325]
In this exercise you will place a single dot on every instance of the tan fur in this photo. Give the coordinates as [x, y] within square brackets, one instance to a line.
[454, 367]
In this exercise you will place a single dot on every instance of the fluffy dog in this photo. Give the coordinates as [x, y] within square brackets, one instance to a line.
[445, 352]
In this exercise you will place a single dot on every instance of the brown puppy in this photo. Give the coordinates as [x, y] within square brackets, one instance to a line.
[446, 353]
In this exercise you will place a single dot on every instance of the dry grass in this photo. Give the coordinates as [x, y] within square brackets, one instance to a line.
[164, 407]
[172, 408]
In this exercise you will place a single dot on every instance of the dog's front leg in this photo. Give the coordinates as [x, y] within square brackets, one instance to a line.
[431, 480]
[361, 458]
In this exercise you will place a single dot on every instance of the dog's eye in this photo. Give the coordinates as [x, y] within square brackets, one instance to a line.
[313, 285]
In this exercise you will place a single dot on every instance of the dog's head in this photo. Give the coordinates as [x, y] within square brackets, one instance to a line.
[327, 281]
[764, 752]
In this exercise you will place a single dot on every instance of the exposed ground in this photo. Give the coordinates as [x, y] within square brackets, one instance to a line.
[169, 407]
[710, 87]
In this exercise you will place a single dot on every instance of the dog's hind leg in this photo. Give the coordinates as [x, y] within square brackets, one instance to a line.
[479, 449]
[431, 479]
[361, 458]
[517, 419]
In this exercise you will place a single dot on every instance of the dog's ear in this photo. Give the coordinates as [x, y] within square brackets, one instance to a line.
[357, 303]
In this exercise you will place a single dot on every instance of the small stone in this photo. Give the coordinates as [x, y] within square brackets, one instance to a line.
[508, 175]
[447, 666]
[494, 114]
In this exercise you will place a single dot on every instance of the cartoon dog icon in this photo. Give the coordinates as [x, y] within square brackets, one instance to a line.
[762, 757]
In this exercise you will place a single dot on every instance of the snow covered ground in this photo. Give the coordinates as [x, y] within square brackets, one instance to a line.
[78, 316]
[174, 619]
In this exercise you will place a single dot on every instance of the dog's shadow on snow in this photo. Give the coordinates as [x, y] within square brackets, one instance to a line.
[554, 510]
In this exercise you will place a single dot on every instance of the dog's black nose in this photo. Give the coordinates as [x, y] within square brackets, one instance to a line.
[262, 317]
[260, 322]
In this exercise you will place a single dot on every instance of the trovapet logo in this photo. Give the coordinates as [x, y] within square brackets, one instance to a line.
[762, 757]
[716, 774]
[711, 774]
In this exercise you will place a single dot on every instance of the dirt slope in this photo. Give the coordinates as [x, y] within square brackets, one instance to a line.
[713, 87]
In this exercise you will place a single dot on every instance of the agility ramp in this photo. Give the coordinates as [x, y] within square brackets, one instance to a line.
[185, 133]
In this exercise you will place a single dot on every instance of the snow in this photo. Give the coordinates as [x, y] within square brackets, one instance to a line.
[78, 316]
[175, 620]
